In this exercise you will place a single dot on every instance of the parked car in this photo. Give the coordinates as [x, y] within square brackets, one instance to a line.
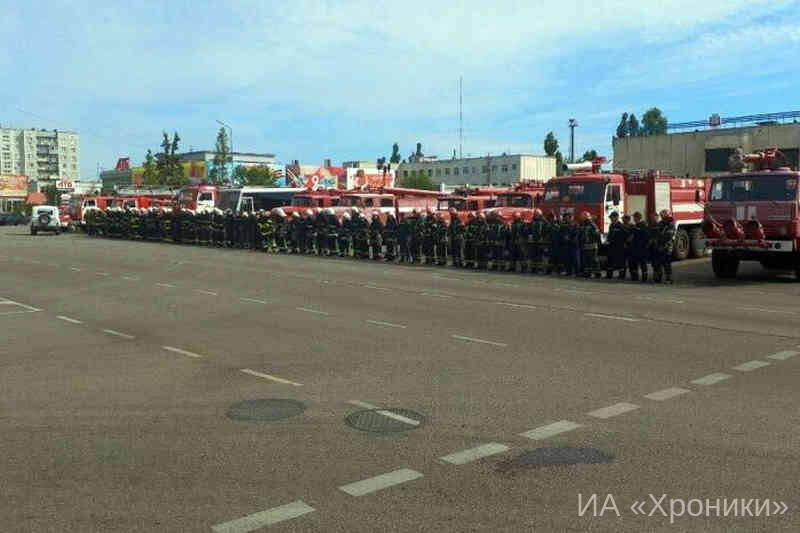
[45, 218]
[12, 219]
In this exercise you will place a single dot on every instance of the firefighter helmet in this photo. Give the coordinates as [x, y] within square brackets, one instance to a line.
[537, 212]
[517, 216]
[665, 214]
[346, 215]
[586, 216]
[452, 211]
[471, 215]
[482, 216]
[330, 211]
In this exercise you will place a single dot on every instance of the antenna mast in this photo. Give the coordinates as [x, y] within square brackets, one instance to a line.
[460, 120]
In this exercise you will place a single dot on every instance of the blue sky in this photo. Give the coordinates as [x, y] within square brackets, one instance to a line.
[344, 80]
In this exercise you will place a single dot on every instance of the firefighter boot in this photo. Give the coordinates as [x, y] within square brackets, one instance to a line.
[622, 274]
[609, 274]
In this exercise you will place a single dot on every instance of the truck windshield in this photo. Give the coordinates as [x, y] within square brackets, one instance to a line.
[302, 201]
[584, 193]
[754, 188]
[229, 200]
[514, 200]
[350, 201]
[459, 204]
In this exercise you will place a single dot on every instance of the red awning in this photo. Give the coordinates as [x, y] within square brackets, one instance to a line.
[36, 198]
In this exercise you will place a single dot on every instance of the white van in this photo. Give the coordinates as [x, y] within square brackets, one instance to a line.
[45, 218]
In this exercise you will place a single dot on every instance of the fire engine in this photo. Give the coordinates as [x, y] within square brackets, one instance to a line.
[523, 198]
[467, 199]
[385, 200]
[199, 198]
[308, 199]
[251, 199]
[753, 215]
[601, 194]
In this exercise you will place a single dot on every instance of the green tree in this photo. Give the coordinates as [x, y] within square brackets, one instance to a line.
[550, 144]
[622, 129]
[149, 176]
[380, 162]
[260, 176]
[589, 155]
[419, 153]
[176, 176]
[219, 171]
[419, 180]
[395, 158]
[559, 163]
[51, 193]
[654, 122]
[633, 126]
[163, 161]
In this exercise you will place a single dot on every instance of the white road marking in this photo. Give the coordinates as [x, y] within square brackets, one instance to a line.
[655, 298]
[264, 518]
[118, 334]
[387, 414]
[506, 284]
[762, 310]
[68, 319]
[306, 310]
[521, 306]
[550, 430]
[473, 454]
[102, 273]
[206, 292]
[75, 269]
[272, 378]
[388, 324]
[253, 300]
[613, 410]
[574, 291]
[435, 295]
[449, 279]
[471, 339]
[12, 302]
[783, 356]
[36, 261]
[613, 317]
[384, 481]
[182, 352]
[666, 394]
[375, 287]
[711, 379]
[168, 285]
[129, 278]
[751, 365]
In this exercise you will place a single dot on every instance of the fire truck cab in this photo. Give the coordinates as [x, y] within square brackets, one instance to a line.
[465, 200]
[753, 214]
[523, 198]
[199, 198]
[385, 200]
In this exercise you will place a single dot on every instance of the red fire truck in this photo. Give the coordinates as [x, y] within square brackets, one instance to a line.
[467, 199]
[601, 194]
[523, 198]
[753, 214]
[385, 200]
[309, 199]
[198, 198]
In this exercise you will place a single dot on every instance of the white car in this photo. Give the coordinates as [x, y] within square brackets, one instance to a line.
[45, 218]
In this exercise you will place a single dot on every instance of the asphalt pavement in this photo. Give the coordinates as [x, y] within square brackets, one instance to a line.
[158, 387]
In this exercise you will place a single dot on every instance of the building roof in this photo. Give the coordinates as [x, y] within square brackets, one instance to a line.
[204, 152]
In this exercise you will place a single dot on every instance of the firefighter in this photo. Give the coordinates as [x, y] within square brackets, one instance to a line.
[590, 239]
[471, 241]
[536, 241]
[639, 242]
[344, 235]
[518, 242]
[626, 223]
[390, 237]
[361, 237]
[495, 238]
[617, 239]
[293, 233]
[203, 228]
[376, 236]
[571, 243]
[455, 233]
[428, 236]
[664, 246]
[553, 235]
[321, 232]
[440, 239]
[482, 243]
[403, 236]
[414, 236]
[331, 229]
[652, 234]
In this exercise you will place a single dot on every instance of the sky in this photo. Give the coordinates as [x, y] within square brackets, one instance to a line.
[310, 80]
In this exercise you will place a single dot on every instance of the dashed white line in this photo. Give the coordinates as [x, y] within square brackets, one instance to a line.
[666, 394]
[550, 430]
[482, 341]
[783, 356]
[117, 334]
[375, 287]
[255, 301]
[314, 311]
[384, 412]
[264, 518]
[384, 481]
[210, 293]
[711, 379]
[574, 291]
[271, 378]
[182, 352]
[102, 273]
[68, 319]
[473, 454]
[612, 317]
[613, 410]
[435, 295]
[660, 299]
[12, 302]
[751, 365]
[449, 279]
[387, 324]
[129, 278]
[168, 285]
[505, 284]
[75, 269]
[762, 310]
[521, 306]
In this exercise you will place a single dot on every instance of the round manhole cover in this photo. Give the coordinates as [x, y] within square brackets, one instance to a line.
[385, 420]
[542, 457]
[265, 410]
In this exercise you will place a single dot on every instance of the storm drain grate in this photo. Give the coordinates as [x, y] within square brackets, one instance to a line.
[387, 420]
[543, 457]
[265, 409]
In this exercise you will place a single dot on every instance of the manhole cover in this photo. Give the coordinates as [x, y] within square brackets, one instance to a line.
[385, 420]
[542, 457]
[265, 410]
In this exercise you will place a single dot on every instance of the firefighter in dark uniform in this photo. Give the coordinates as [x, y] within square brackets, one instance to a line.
[652, 238]
[518, 242]
[361, 237]
[414, 236]
[617, 240]
[555, 253]
[376, 236]
[440, 238]
[496, 241]
[345, 235]
[455, 233]
[570, 239]
[321, 232]
[537, 236]
[664, 246]
[590, 240]
[626, 223]
[293, 233]
[428, 236]
[403, 236]
[331, 230]
[279, 217]
[390, 237]
[639, 242]
[471, 241]
[482, 243]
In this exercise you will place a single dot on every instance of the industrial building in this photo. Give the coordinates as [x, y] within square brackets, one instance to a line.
[705, 152]
[40, 154]
[505, 169]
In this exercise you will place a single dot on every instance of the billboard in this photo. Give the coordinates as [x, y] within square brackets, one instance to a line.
[13, 185]
[359, 178]
[194, 170]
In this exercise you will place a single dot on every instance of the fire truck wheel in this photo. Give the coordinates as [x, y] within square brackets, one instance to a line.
[681, 248]
[697, 246]
[724, 265]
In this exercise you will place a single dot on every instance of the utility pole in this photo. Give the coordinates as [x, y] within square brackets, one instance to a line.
[488, 170]
[572, 125]
[460, 119]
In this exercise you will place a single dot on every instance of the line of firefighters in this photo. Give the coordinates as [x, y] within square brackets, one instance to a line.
[551, 244]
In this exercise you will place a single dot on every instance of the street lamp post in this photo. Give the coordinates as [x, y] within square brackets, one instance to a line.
[230, 140]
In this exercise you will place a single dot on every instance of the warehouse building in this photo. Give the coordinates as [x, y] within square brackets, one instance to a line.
[505, 169]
